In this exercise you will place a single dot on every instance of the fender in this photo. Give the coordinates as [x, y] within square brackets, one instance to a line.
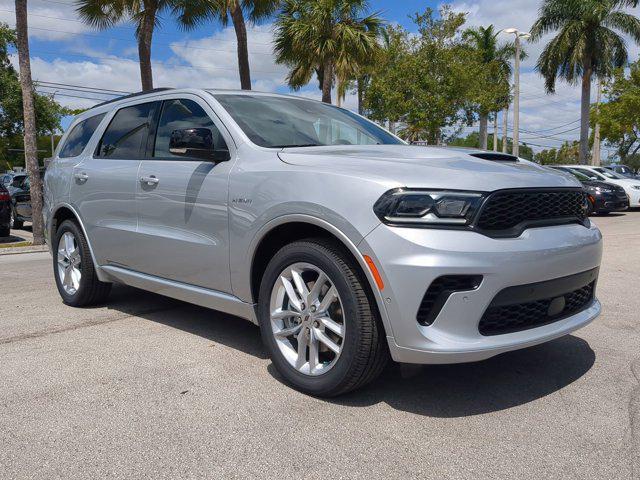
[346, 241]
[100, 274]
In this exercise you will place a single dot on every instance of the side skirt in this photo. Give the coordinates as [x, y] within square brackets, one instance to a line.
[204, 297]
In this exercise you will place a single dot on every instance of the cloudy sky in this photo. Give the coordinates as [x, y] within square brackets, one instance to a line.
[65, 51]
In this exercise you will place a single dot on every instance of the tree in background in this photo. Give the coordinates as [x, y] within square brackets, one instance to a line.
[192, 13]
[48, 113]
[568, 153]
[330, 38]
[585, 46]
[103, 14]
[427, 81]
[493, 92]
[29, 115]
[619, 116]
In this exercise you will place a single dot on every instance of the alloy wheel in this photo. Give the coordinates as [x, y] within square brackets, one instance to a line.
[307, 318]
[69, 263]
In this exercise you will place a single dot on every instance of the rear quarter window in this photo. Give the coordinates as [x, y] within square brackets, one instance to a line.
[80, 136]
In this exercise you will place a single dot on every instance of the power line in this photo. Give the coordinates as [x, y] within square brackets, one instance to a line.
[70, 86]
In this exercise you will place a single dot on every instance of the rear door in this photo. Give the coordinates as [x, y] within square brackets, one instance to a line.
[104, 185]
[182, 202]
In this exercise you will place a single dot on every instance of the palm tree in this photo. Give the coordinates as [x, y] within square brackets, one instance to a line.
[103, 14]
[29, 114]
[192, 13]
[485, 42]
[330, 38]
[585, 46]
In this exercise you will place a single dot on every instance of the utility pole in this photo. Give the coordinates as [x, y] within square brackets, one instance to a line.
[516, 88]
[505, 120]
[595, 157]
[495, 132]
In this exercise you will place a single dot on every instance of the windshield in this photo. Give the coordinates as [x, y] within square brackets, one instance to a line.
[580, 176]
[279, 122]
[609, 173]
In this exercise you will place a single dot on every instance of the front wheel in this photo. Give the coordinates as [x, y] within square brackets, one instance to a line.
[73, 268]
[318, 321]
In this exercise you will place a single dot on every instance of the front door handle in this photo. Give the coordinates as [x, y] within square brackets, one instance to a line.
[150, 180]
[81, 177]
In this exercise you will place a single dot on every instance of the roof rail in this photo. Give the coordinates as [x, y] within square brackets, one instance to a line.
[137, 94]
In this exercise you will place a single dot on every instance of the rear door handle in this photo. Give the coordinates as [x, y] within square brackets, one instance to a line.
[81, 177]
[150, 180]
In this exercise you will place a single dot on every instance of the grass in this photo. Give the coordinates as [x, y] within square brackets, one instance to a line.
[13, 245]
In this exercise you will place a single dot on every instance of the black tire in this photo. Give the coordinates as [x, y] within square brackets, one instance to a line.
[365, 350]
[91, 290]
[5, 232]
[16, 224]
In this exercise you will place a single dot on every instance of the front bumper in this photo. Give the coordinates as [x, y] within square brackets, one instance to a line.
[409, 259]
[634, 198]
[611, 202]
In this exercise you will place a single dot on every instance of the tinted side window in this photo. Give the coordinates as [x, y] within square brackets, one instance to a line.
[126, 135]
[182, 114]
[79, 137]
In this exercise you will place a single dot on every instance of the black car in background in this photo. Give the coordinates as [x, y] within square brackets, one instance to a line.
[5, 211]
[604, 197]
[20, 191]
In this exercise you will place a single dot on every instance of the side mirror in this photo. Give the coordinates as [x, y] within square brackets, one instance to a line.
[195, 143]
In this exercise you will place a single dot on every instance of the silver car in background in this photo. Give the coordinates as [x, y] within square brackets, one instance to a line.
[345, 245]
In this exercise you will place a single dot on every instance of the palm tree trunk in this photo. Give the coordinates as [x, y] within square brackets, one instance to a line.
[30, 139]
[327, 81]
[595, 157]
[495, 132]
[505, 119]
[360, 88]
[145, 37]
[583, 156]
[484, 130]
[243, 49]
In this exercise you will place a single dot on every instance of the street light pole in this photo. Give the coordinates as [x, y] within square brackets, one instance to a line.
[516, 88]
[516, 99]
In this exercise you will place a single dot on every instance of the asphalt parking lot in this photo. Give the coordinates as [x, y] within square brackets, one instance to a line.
[148, 387]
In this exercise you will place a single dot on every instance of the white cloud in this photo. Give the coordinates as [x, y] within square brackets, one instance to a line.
[57, 21]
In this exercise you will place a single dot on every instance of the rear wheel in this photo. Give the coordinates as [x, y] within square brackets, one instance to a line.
[73, 268]
[5, 232]
[317, 320]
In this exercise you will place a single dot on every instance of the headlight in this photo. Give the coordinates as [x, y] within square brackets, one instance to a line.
[602, 189]
[425, 207]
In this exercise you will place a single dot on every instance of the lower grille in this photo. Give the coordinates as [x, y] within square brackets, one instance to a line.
[439, 292]
[548, 302]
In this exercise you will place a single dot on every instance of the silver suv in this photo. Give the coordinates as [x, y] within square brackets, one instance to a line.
[345, 245]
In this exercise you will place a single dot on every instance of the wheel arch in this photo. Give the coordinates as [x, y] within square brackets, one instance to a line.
[64, 212]
[285, 230]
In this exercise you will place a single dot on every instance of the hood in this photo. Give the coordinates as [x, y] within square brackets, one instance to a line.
[426, 167]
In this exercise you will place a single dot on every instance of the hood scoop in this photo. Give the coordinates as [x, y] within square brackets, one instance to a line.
[495, 157]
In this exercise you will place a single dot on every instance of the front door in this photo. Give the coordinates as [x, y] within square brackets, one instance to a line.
[182, 203]
[104, 186]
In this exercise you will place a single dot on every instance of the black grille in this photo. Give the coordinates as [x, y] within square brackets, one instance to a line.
[501, 319]
[440, 290]
[508, 209]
